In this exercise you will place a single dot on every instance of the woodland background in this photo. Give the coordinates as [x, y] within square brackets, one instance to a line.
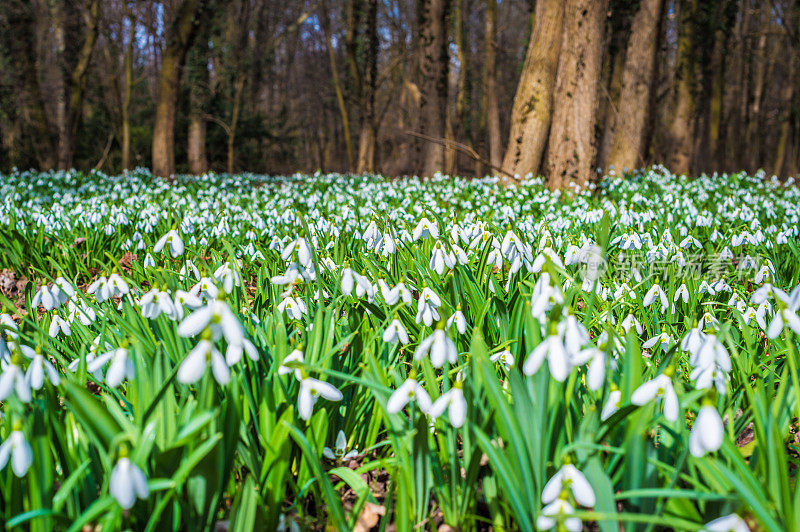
[555, 87]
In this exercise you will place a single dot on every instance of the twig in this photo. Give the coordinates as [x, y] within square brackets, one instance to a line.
[106, 151]
[459, 147]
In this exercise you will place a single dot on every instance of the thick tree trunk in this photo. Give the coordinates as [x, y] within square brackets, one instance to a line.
[367, 137]
[433, 64]
[196, 142]
[181, 37]
[680, 129]
[126, 98]
[491, 107]
[571, 149]
[626, 147]
[533, 103]
[754, 115]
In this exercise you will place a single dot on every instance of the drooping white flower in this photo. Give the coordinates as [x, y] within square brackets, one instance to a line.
[228, 275]
[205, 288]
[654, 293]
[727, 523]
[660, 386]
[556, 512]
[427, 307]
[661, 340]
[459, 320]
[203, 355]
[569, 477]
[612, 404]
[39, 367]
[453, 401]
[409, 391]
[121, 366]
[300, 247]
[424, 229]
[17, 448]
[219, 317]
[127, 482]
[310, 391]
[155, 302]
[552, 348]
[173, 239]
[441, 348]
[707, 431]
[14, 379]
[395, 332]
[504, 357]
[340, 452]
[58, 324]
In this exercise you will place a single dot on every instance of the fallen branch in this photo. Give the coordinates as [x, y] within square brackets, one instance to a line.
[462, 148]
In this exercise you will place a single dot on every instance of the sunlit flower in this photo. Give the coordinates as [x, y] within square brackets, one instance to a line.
[127, 482]
[17, 448]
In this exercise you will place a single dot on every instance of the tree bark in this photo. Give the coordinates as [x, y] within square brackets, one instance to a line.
[491, 106]
[680, 129]
[434, 63]
[367, 136]
[180, 39]
[533, 103]
[126, 96]
[571, 149]
[626, 146]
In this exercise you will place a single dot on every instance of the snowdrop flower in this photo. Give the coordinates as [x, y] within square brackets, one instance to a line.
[199, 358]
[437, 259]
[427, 307]
[121, 366]
[504, 357]
[395, 332]
[553, 349]
[85, 314]
[631, 322]
[155, 302]
[49, 297]
[569, 477]
[127, 482]
[302, 250]
[216, 315]
[784, 317]
[409, 391]
[455, 404]
[663, 340]
[294, 307]
[17, 448]
[310, 391]
[459, 320]
[292, 363]
[340, 453]
[441, 348]
[189, 268]
[14, 379]
[707, 431]
[149, 261]
[544, 297]
[712, 364]
[424, 229]
[205, 288]
[654, 293]
[555, 513]
[727, 523]
[692, 342]
[58, 324]
[228, 275]
[102, 288]
[660, 386]
[184, 299]
[612, 404]
[38, 367]
[173, 239]
[398, 293]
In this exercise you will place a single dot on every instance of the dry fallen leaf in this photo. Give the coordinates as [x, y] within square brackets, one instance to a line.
[370, 515]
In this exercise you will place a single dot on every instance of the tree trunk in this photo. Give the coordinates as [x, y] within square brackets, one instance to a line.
[571, 149]
[180, 39]
[367, 137]
[787, 94]
[196, 142]
[754, 115]
[491, 107]
[339, 90]
[533, 103]
[626, 146]
[434, 63]
[680, 129]
[126, 97]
